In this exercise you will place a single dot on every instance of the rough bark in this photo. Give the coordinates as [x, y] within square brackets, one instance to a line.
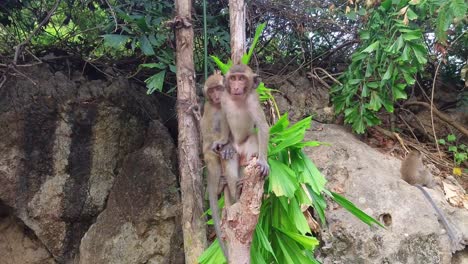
[237, 29]
[194, 228]
[239, 220]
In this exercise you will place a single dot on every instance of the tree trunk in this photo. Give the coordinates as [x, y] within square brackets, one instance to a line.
[237, 29]
[239, 220]
[193, 224]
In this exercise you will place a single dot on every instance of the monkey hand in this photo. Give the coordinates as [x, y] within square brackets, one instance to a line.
[218, 146]
[227, 152]
[264, 167]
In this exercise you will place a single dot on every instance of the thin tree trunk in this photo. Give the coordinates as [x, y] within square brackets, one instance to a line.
[237, 29]
[240, 219]
[193, 224]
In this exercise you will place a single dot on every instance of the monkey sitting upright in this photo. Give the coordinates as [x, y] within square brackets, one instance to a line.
[413, 172]
[247, 123]
[213, 124]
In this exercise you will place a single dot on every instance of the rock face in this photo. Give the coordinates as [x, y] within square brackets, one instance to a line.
[301, 97]
[371, 180]
[19, 245]
[88, 160]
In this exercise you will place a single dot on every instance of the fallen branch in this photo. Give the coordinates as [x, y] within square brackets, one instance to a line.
[441, 116]
[239, 220]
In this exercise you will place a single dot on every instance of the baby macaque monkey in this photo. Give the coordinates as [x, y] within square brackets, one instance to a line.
[413, 172]
[212, 124]
[248, 129]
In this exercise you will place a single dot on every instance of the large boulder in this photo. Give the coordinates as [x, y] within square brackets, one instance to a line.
[66, 143]
[371, 180]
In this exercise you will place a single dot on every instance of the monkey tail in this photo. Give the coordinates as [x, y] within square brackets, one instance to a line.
[213, 198]
[455, 241]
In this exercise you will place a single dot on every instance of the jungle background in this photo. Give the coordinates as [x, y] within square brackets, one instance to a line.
[394, 73]
[322, 40]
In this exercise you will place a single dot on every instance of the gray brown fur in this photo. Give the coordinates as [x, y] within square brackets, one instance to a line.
[413, 172]
[212, 123]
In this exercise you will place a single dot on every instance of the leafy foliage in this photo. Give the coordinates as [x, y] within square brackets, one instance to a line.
[459, 151]
[392, 52]
[390, 55]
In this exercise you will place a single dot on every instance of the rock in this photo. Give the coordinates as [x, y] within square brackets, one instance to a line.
[301, 97]
[63, 145]
[19, 245]
[371, 180]
[140, 223]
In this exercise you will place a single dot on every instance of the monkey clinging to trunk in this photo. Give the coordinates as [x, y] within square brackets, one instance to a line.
[413, 172]
[248, 128]
[213, 124]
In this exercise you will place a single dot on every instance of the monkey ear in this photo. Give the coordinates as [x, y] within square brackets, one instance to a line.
[256, 81]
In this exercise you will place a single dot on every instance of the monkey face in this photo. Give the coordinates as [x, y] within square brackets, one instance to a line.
[238, 84]
[214, 94]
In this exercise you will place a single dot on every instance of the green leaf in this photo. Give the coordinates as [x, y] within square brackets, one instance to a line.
[451, 138]
[155, 82]
[282, 180]
[409, 37]
[364, 35]
[291, 253]
[295, 214]
[373, 84]
[458, 8]
[443, 21]
[307, 171]
[405, 56]
[441, 141]
[114, 40]
[350, 207]
[160, 66]
[375, 103]
[308, 242]
[173, 68]
[369, 70]
[223, 67]
[388, 73]
[372, 47]
[146, 47]
[397, 45]
[411, 15]
[246, 58]
[152, 39]
[289, 137]
[319, 204]
[409, 79]
[263, 240]
[212, 255]
[358, 124]
[358, 57]
[387, 4]
[354, 81]
[420, 53]
[365, 91]
[280, 125]
[388, 105]
[398, 93]
[452, 149]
